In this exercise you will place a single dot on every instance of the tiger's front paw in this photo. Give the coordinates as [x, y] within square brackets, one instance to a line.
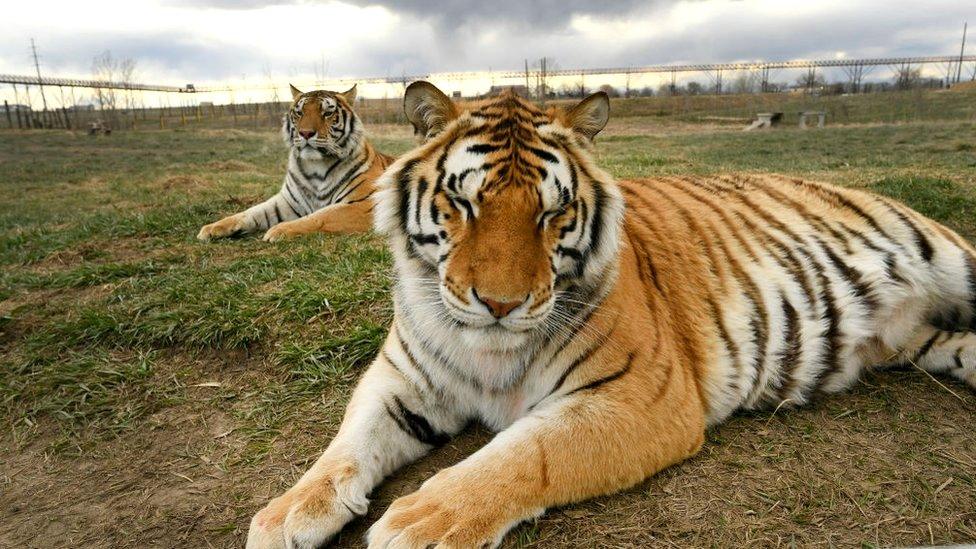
[306, 516]
[227, 226]
[445, 516]
[288, 229]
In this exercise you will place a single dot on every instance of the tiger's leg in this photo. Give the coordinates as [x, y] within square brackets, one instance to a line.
[390, 421]
[943, 351]
[353, 217]
[598, 438]
[260, 217]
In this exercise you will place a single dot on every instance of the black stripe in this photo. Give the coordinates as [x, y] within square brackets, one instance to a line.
[483, 148]
[424, 239]
[414, 363]
[971, 283]
[844, 201]
[421, 189]
[790, 356]
[403, 181]
[289, 202]
[853, 277]
[830, 360]
[416, 425]
[924, 246]
[595, 384]
[543, 154]
[924, 349]
[350, 189]
[576, 363]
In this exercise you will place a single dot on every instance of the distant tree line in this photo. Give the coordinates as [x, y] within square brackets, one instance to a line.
[905, 78]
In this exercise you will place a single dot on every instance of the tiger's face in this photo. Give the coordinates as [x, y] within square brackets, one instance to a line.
[502, 207]
[322, 121]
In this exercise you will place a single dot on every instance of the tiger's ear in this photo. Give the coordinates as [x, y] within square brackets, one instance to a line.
[428, 109]
[295, 93]
[350, 94]
[590, 115]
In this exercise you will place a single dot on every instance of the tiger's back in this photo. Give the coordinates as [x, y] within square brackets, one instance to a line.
[796, 286]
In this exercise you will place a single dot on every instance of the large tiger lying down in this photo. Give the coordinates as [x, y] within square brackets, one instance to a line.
[601, 326]
[331, 175]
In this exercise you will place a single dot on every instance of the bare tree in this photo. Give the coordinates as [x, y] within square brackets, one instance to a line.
[907, 77]
[744, 83]
[127, 68]
[811, 81]
[111, 69]
[104, 68]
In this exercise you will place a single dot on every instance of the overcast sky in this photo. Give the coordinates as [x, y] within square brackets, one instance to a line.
[226, 40]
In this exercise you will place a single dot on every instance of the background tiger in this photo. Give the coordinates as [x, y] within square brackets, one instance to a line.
[332, 169]
[601, 326]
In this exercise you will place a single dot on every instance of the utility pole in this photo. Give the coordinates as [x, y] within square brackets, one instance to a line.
[37, 66]
[962, 51]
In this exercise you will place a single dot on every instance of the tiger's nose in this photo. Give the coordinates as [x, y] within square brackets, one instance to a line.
[498, 309]
[306, 133]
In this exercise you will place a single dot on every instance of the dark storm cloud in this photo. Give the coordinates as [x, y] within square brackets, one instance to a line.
[544, 14]
[228, 4]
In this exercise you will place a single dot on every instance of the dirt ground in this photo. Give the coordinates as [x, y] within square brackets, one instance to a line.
[892, 463]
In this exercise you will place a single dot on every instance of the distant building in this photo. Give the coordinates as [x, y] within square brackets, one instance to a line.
[206, 104]
[19, 108]
[81, 108]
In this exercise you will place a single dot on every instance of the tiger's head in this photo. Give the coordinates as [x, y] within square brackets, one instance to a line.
[322, 121]
[503, 210]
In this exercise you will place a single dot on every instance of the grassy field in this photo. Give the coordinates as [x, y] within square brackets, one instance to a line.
[156, 391]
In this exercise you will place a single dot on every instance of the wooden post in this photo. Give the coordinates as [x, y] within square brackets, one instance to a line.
[20, 124]
[10, 120]
[162, 125]
[67, 119]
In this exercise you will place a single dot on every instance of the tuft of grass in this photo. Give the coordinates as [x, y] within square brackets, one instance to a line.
[89, 390]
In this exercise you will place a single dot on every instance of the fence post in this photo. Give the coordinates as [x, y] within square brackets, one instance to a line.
[10, 121]
[20, 124]
[67, 118]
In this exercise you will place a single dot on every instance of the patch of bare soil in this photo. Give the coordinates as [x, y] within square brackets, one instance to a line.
[891, 463]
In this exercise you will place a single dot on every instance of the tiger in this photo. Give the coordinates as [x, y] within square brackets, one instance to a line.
[601, 326]
[330, 179]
